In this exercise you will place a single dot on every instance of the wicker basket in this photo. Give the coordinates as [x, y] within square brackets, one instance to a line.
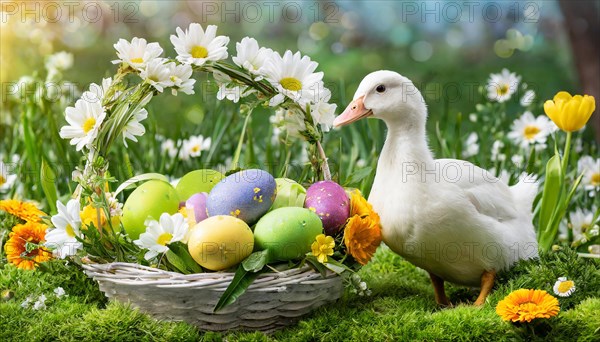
[272, 302]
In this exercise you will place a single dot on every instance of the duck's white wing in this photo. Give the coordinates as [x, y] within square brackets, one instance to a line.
[489, 195]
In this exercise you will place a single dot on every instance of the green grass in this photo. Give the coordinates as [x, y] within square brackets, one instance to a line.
[401, 307]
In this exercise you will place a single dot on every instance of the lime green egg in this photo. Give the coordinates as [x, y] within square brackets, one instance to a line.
[150, 199]
[287, 233]
[197, 181]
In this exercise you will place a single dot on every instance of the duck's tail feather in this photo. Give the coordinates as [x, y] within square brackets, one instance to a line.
[524, 193]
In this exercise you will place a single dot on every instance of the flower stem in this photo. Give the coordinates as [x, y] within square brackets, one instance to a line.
[238, 150]
[324, 164]
[565, 161]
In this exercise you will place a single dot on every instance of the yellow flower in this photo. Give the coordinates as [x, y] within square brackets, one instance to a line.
[526, 305]
[23, 247]
[323, 247]
[570, 113]
[89, 216]
[362, 236]
[26, 211]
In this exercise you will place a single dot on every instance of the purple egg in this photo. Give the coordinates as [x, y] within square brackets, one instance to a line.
[197, 203]
[330, 201]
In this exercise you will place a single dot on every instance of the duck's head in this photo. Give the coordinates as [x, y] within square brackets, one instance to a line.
[389, 96]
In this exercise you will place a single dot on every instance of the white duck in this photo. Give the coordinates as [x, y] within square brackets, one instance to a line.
[453, 219]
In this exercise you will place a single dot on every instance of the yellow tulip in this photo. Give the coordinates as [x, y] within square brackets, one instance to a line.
[570, 113]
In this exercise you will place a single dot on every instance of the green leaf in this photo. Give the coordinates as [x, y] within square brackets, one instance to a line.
[314, 262]
[239, 284]
[336, 266]
[358, 175]
[146, 176]
[550, 195]
[177, 262]
[256, 261]
[48, 179]
[181, 250]
[549, 236]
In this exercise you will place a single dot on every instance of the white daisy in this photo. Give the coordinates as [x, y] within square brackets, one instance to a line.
[290, 120]
[84, 122]
[7, 180]
[59, 61]
[63, 238]
[323, 112]
[250, 56]
[40, 304]
[26, 302]
[158, 74]
[97, 92]
[196, 46]
[471, 145]
[59, 292]
[134, 127]
[501, 86]
[180, 76]
[529, 130]
[497, 154]
[159, 234]
[293, 76]
[517, 159]
[232, 93]
[138, 53]
[194, 146]
[527, 98]
[564, 287]
[170, 147]
[581, 222]
[591, 173]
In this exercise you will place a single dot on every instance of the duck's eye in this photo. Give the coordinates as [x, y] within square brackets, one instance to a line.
[380, 88]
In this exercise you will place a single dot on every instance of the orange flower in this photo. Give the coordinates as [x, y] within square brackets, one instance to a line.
[359, 206]
[362, 236]
[526, 305]
[26, 211]
[23, 247]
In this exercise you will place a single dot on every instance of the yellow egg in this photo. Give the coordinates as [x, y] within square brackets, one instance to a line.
[220, 242]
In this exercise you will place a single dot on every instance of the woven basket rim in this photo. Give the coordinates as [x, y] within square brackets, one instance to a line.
[136, 274]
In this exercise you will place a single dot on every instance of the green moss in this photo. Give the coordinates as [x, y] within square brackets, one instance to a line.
[401, 307]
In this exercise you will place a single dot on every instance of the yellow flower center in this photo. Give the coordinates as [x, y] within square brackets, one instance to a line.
[531, 131]
[199, 51]
[503, 89]
[291, 83]
[565, 286]
[595, 179]
[196, 148]
[164, 239]
[137, 60]
[70, 231]
[2, 180]
[89, 124]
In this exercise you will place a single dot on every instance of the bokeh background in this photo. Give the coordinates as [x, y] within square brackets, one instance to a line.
[448, 49]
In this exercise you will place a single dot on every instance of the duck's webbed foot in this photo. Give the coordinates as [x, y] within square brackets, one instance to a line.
[438, 288]
[487, 282]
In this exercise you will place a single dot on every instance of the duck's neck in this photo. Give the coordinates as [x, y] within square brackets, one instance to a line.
[405, 147]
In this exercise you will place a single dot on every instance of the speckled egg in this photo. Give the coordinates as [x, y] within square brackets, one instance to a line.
[289, 194]
[287, 233]
[330, 201]
[247, 195]
[220, 242]
[196, 204]
[197, 181]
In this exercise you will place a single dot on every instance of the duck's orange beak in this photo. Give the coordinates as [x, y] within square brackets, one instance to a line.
[355, 111]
